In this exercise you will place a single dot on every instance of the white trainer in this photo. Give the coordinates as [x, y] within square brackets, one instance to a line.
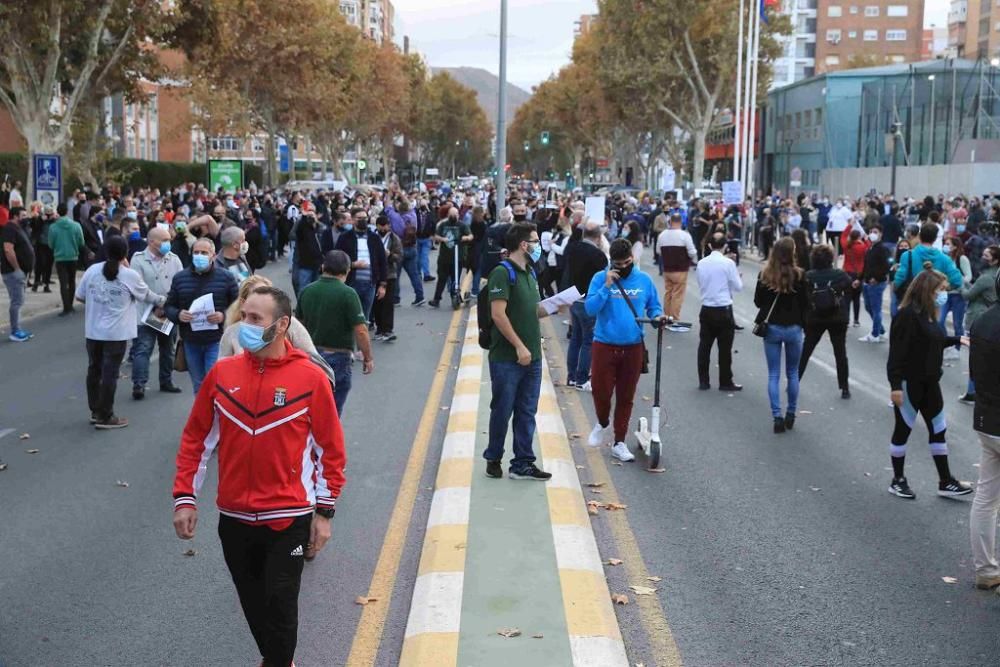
[600, 435]
[620, 451]
[585, 386]
[869, 339]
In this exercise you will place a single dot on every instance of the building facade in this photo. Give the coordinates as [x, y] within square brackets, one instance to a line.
[974, 29]
[858, 33]
[798, 58]
[375, 18]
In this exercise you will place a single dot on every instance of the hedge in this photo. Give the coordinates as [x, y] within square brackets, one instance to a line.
[139, 173]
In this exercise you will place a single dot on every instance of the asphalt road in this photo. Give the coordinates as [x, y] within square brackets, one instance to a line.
[91, 572]
[787, 549]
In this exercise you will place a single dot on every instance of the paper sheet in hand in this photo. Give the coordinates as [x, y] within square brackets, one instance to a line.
[595, 209]
[161, 324]
[201, 308]
[565, 298]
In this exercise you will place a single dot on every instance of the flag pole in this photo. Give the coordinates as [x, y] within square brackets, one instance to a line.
[753, 103]
[744, 113]
[737, 136]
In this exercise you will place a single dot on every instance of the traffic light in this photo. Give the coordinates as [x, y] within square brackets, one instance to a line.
[545, 138]
[527, 145]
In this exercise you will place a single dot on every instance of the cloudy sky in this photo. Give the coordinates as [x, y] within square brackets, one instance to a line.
[453, 33]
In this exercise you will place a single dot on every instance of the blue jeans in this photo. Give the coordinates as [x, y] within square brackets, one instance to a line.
[200, 358]
[424, 256]
[893, 301]
[578, 354]
[366, 292]
[15, 283]
[341, 363]
[515, 392]
[143, 346]
[956, 306]
[306, 278]
[411, 264]
[873, 305]
[789, 337]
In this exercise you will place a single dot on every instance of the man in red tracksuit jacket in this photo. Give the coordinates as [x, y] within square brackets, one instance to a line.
[270, 415]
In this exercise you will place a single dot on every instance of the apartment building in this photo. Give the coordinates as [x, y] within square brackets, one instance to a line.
[374, 18]
[583, 25]
[798, 58]
[858, 33]
[974, 29]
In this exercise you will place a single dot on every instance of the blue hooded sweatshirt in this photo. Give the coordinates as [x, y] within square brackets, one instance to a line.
[938, 259]
[616, 324]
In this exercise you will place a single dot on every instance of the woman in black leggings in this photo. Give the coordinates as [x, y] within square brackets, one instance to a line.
[916, 348]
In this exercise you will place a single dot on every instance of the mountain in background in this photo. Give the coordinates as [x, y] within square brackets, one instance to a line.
[487, 87]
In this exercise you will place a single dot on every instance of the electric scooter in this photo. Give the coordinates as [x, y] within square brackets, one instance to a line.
[456, 292]
[649, 438]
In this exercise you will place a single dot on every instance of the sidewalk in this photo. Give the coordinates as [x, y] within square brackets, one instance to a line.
[35, 304]
[502, 555]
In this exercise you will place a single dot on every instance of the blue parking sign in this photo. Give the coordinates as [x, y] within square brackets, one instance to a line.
[48, 178]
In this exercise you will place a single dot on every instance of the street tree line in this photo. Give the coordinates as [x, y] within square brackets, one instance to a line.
[646, 82]
[288, 70]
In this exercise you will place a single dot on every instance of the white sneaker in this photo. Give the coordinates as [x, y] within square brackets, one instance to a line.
[585, 386]
[600, 435]
[869, 339]
[883, 338]
[952, 353]
[620, 451]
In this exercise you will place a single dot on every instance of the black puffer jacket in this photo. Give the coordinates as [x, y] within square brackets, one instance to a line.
[187, 286]
[984, 369]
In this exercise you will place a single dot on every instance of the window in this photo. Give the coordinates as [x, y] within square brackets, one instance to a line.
[819, 116]
[833, 11]
[897, 59]
[833, 60]
[871, 10]
[897, 11]
[153, 151]
[142, 149]
[798, 120]
[854, 9]
[871, 35]
[852, 34]
[257, 145]
[224, 144]
[896, 35]
[807, 117]
[833, 36]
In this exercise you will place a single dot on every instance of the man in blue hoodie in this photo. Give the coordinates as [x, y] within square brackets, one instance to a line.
[617, 297]
[911, 263]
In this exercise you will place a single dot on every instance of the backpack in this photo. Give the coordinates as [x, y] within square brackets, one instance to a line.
[493, 245]
[826, 299]
[484, 313]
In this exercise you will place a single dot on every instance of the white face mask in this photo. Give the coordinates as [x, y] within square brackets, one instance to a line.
[244, 248]
[874, 237]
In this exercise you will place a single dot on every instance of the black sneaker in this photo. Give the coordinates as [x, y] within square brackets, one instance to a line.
[170, 389]
[789, 421]
[530, 471]
[899, 487]
[138, 392]
[845, 393]
[418, 302]
[968, 399]
[429, 279]
[779, 425]
[389, 337]
[494, 469]
[952, 487]
[111, 423]
[434, 304]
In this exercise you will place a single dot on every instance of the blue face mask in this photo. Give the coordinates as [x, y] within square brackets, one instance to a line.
[941, 298]
[165, 247]
[200, 262]
[252, 337]
[960, 228]
[132, 215]
[536, 252]
[134, 236]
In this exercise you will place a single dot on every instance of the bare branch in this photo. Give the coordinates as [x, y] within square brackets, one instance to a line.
[684, 125]
[694, 63]
[90, 64]
[54, 53]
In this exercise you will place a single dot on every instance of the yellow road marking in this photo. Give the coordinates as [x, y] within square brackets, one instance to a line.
[654, 620]
[444, 549]
[368, 635]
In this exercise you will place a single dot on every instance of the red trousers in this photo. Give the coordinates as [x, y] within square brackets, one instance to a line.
[615, 369]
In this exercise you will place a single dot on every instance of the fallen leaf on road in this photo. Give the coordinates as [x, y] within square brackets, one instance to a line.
[646, 398]
[615, 506]
[642, 590]
[538, 636]
[189, 553]
[619, 598]
[444, 407]
[31, 451]
[654, 579]
[868, 474]
[815, 488]
[581, 467]
[364, 600]
[459, 547]
[121, 483]
[591, 510]
[509, 632]
[574, 436]
[656, 470]
[3, 466]
[949, 580]
[613, 561]
[24, 436]
[595, 485]
[805, 412]
[616, 463]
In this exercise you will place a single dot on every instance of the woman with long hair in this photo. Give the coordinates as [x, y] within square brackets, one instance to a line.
[782, 299]
[633, 234]
[110, 290]
[803, 248]
[956, 305]
[229, 346]
[916, 348]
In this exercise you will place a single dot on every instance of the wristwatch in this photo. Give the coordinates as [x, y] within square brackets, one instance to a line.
[325, 512]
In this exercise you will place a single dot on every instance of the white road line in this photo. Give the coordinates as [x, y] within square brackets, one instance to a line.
[6, 431]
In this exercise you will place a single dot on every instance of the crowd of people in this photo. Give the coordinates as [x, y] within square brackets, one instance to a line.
[177, 271]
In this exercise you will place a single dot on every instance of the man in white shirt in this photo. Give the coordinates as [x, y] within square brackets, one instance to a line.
[677, 253]
[718, 279]
[840, 217]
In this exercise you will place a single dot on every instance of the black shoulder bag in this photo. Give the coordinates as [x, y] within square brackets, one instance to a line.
[645, 352]
[760, 328]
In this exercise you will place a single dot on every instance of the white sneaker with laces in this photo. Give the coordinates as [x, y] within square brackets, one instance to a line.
[620, 451]
[585, 386]
[883, 338]
[869, 339]
[600, 435]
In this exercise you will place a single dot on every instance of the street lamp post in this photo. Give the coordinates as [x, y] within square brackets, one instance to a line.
[896, 132]
[788, 166]
[931, 157]
[501, 148]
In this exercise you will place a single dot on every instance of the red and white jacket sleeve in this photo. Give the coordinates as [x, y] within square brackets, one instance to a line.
[328, 453]
[198, 443]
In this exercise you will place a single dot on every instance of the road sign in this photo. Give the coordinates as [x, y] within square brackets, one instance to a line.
[432, 171]
[225, 174]
[795, 178]
[362, 165]
[732, 192]
[602, 163]
[545, 138]
[48, 178]
[668, 180]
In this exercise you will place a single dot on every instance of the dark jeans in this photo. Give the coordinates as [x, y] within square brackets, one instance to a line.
[142, 349]
[43, 265]
[306, 277]
[515, 393]
[341, 363]
[580, 341]
[873, 304]
[200, 358]
[105, 360]
[366, 292]
[411, 264]
[838, 338]
[384, 310]
[446, 276]
[67, 282]
[266, 567]
[716, 325]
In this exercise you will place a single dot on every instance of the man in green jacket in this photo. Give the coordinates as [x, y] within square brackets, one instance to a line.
[66, 240]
